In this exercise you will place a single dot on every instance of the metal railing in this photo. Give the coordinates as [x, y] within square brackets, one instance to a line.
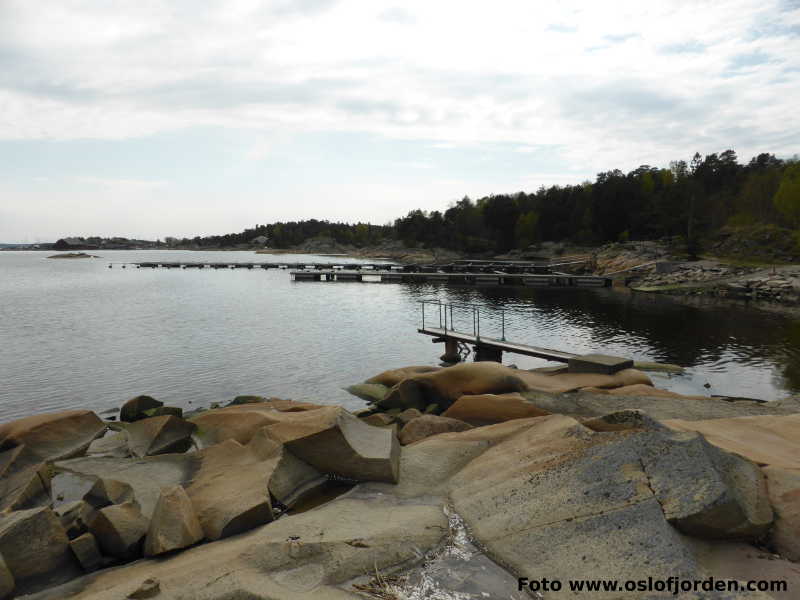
[446, 313]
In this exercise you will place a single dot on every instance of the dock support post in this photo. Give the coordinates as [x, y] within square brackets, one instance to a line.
[450, 351]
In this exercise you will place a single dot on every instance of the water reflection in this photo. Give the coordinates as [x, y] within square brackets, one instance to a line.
[77, 334]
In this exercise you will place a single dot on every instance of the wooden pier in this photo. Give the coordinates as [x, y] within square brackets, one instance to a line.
[458, 278]
[465, 267]
[492, 348]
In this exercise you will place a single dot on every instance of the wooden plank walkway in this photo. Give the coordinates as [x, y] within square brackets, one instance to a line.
[547, 354]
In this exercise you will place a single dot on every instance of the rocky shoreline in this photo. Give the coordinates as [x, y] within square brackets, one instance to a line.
[537, 474]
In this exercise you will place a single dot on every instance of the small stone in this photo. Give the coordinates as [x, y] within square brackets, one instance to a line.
[150, 588]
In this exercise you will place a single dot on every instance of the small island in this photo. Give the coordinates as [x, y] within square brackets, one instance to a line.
[73, 255]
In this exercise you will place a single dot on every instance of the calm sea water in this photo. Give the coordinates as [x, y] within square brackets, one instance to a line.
[75, 333]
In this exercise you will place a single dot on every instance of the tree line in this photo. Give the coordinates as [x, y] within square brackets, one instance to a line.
[687, 200]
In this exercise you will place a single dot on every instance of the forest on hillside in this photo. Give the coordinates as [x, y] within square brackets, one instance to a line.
[687, 201]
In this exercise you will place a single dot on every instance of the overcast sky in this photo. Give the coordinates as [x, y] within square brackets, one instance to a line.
[152, 118]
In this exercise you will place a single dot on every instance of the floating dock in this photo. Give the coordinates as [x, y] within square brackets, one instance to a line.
[458, 278]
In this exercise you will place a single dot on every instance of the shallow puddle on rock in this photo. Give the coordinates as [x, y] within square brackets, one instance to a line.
[456, 570]
[330, 490]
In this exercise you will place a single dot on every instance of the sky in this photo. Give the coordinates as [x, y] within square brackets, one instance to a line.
[180, 118]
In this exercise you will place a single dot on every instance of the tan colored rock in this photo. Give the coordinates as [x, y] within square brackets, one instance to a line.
[483, 409]
[119, 530]
[407, 415]
[395, 376]
[766, 440]
[230, 490]
[160, 435]
[74, 517]
[784, 493]
[333, 441]
[115, 444]
[109, 491]
[174, 524]
[428, 425]
[292, 480]
[53, 436]
[241, 422]
[149, 588]
[445, 386]
[371, 392]
[85, 549]
[6, 579]
[378, 420]
[34, 544]
[134, 409]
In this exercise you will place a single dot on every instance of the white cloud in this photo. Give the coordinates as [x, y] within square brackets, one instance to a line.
[609, 85]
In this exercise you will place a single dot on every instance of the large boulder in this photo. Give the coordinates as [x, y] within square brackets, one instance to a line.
[704, 491]
[230, 490]
[174, 524]
[292, 479]
[784, 493]
[240, 422]
[428, 425]
[334, 441]
[371, 392]
[35, 547]
[395, 376]
[484, 409]
[608, 497]
[160, 435]
[53, 436]
[136, 408]
[119, 530]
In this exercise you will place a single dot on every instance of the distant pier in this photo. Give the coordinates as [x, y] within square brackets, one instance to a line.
[547, 280]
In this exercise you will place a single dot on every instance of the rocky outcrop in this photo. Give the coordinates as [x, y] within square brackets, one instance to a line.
[312, 554]
[334, 441]
[371, 392]
[136, 408]
[159, 435]
[174, 524]
[428, 425]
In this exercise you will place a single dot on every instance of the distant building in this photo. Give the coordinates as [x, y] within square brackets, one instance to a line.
[261, 240]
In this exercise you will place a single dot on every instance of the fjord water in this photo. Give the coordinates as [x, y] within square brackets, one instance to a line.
[76, 334]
